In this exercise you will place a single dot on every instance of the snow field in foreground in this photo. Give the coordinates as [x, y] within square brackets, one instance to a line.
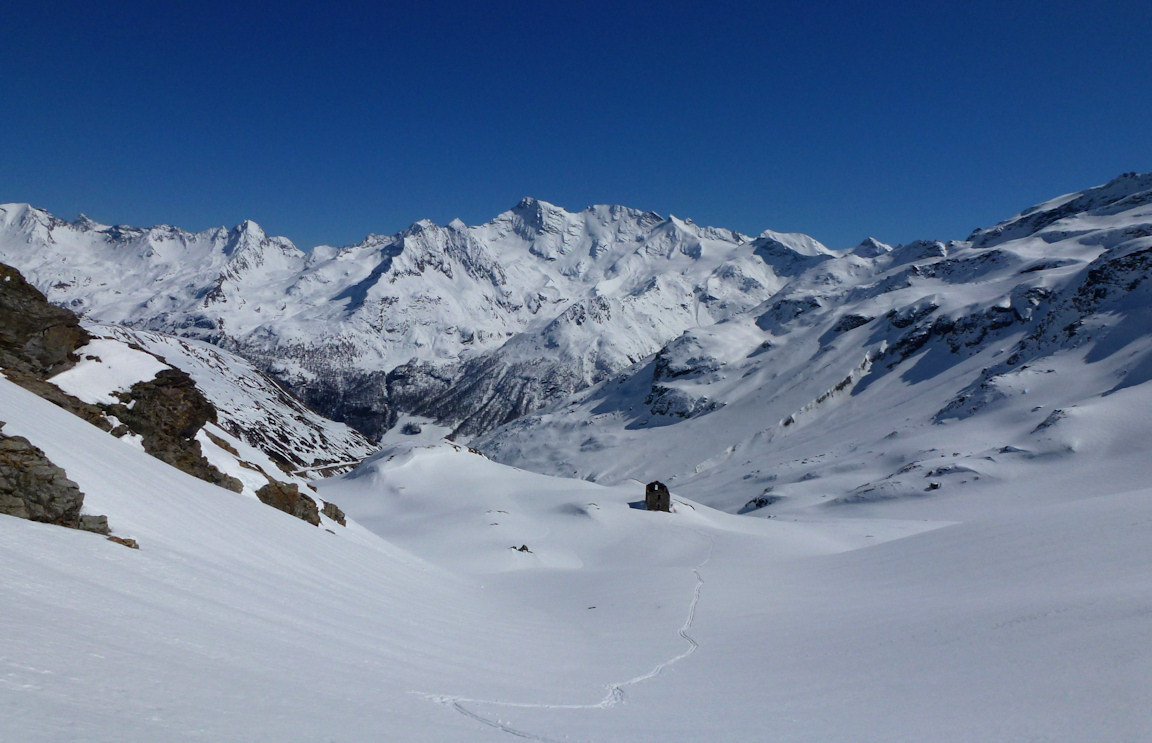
[1018, 610]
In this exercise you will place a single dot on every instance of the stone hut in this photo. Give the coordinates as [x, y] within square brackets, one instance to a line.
[657, 497]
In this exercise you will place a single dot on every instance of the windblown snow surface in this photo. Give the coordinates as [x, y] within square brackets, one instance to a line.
[1019, 610]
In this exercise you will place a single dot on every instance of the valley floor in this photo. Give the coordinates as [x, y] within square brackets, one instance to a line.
[1010, 611]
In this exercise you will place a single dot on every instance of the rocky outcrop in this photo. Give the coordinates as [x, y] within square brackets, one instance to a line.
[167, 412]
[35, 336]
[678, 403]
[333, 511]
[37, 340]
[33, 488]
[169, 405]
[287, 497]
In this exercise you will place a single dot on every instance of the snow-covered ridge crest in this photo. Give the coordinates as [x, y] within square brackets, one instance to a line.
[1128, 191]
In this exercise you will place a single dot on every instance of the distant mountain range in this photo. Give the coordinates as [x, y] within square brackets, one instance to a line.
[886, 372]
[473, 326]
[693, 350]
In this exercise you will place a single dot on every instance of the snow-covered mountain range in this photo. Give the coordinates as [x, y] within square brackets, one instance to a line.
[886, 372]
[473, 326]
[694, 350]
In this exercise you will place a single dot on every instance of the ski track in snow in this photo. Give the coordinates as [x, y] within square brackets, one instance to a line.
[615, 689]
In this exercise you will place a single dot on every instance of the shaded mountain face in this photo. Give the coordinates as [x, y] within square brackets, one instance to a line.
[654, 320]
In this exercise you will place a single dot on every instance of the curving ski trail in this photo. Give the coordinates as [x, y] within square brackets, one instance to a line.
[615, 690]
[499, 725]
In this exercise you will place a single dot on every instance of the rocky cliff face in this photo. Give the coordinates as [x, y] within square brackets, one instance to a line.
[33, 488]
[37, 340]
[36, 337]
[167, 412]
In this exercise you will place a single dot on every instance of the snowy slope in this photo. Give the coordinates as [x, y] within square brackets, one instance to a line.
[233, 621]
[253, 408]
[260, 435]
[1017, 612]
[887, 373]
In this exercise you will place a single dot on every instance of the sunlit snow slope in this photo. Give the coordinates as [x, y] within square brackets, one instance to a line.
[234, 621]
[1015, 612]
[254, 412]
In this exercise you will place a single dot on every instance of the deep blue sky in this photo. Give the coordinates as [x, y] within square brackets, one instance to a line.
[327, 121]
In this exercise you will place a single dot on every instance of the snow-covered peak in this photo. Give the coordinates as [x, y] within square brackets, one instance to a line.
[536, 210]
[17, 213]
[9, 213]
[248, 230]
[534, 221]
[27, 220]
[248, 237]
[796, 242]
[789, 253]
[918, 250]
[84, 222]
[870, 247]
[419, 227]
